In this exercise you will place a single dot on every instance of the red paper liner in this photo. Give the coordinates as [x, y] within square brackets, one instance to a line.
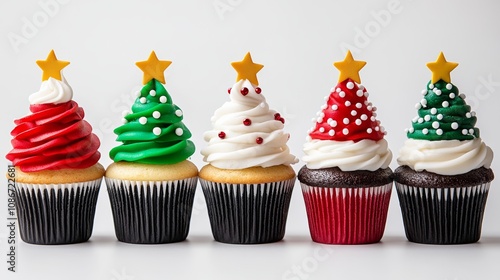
[51, 214]
[442, 215]
[347, 215]
[248, 213]
[151, 212]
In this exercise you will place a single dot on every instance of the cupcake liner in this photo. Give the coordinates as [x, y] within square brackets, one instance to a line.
[354, 215]
[248, 213]
[56, 213]
[151, 212]
[443, 215]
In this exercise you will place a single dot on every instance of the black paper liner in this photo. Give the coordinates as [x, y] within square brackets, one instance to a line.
[56, 214]
[442, 215]
[151, 212]
[248, 213]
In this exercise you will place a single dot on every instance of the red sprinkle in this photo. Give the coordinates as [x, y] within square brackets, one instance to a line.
[244, 91]
[282, 120]
[247, 122]
[277, 116]
[259, 140]
[229, 90]
[222, 135]
[258, 90]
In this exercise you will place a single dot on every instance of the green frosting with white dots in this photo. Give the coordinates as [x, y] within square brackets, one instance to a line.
[443, 115]
[153, 133]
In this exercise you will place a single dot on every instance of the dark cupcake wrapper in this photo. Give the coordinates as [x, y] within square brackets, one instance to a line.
[151, 212]
[248, 213]
[346, 215]
[443, 215]
[50, 214]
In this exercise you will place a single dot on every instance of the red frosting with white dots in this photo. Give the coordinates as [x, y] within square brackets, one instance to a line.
[347, 116]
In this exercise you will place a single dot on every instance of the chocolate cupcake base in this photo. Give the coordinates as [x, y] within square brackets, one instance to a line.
[248, 213]
[150, 212]
[51, 214]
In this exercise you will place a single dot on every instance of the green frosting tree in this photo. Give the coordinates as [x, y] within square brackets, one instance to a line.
[443, 113]
[153, 133]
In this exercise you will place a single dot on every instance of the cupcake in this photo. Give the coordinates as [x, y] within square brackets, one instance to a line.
[55, 156]
[151, 184]
[346, 181]
[444, 173]
[248, 180]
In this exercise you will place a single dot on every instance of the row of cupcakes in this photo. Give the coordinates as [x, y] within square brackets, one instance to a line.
[442, 182]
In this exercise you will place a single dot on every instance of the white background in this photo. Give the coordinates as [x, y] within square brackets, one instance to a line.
[297, 41]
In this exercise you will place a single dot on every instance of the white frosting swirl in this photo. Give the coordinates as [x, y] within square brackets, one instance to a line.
[52, 91]
[365, 154]
[447, 157]
[239, 148]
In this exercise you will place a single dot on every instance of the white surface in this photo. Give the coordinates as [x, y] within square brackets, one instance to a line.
[297, 41]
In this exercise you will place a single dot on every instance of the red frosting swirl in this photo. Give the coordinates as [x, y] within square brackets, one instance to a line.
[54, 136]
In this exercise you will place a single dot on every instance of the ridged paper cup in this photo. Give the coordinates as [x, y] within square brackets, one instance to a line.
[248, 213]
[52, 214]
[347, 215]
[151, 212]
[451, 215]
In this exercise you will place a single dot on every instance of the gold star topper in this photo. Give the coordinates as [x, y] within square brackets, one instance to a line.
[441, 69]
[153, 68]
[247, 69]
[349, 68]
[51, 67]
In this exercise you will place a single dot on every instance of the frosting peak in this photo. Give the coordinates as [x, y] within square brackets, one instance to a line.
[52, 91]
[246, 133]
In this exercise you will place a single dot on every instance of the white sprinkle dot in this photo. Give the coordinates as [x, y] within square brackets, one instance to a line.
[358, 122]
[157, 131]
[324, 106]
[143, 100]
[319, 120]
[464, 131]
[415, 119]
[152, 92]
[156, 114]
[347, 103]
[445, 104]
[374, 109]
[354, 113]
[321, 129]
[454, 125]
[452, 95]
[125, 113]
[439, 132]
[369, 130]
[332, 90]
[333, 123]
[440, 116]
[369, 107]
[366, 94]
[374, 114]
[418, 106]
[345, 131]
[435, 125]
[423, 102]
[338, 89]
[471, 131]
[431, 86]
[420, 120]
[438, 92]
[412, 130]
[377, 128]
[425, 131]
[372, 118]
[473, 113]
[143, 120]
[124, 121]
[359, 93]
[382, 129]
[434, 111]
[313, 120]
[346, 121]
[331, 132]
[335, 107]
[178, 112]
[326, 98]
[163, 99]
[449, 86]
[364, 117]
[179, 131]
[138, 94]
[321, 114]
[468, 115]
[359, 105]
[342, 94]
[424, 92]
[427, 118]
[406, 130]
[361, 87]
[350, 85]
